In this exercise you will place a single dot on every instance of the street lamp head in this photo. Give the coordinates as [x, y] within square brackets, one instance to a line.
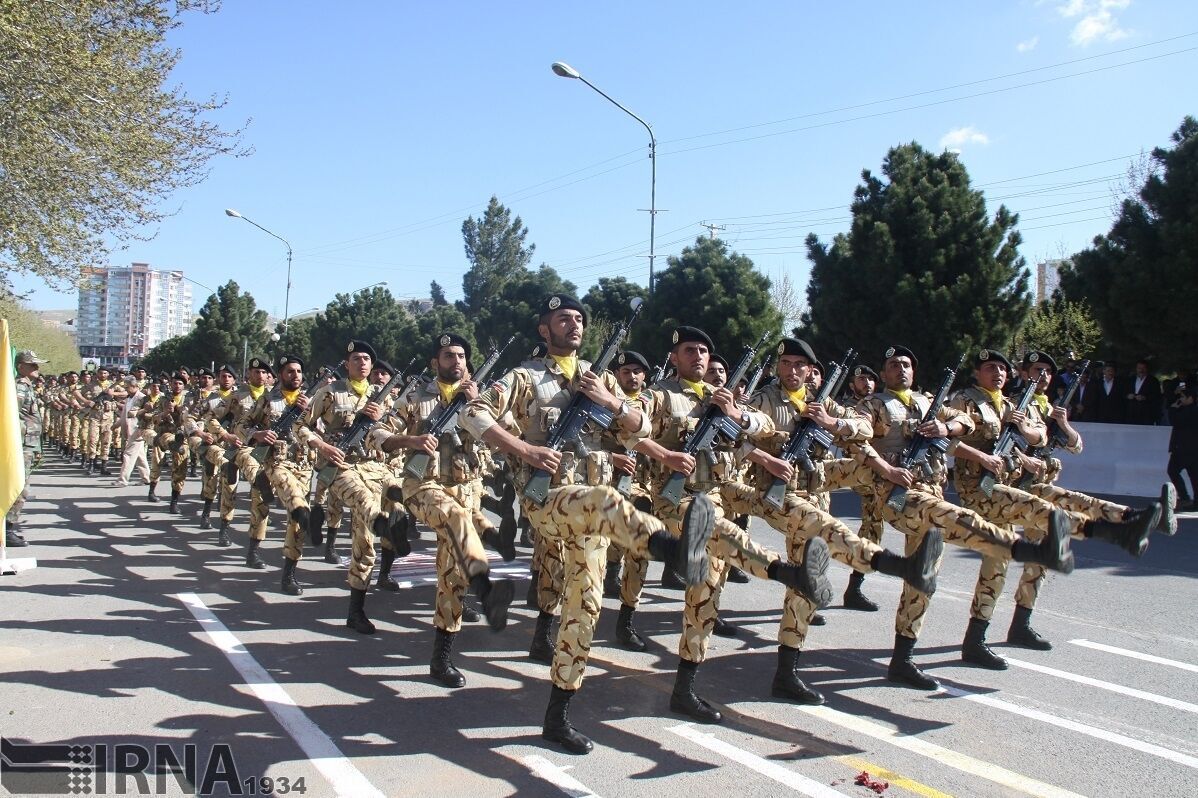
[233, 213]
[564, 70]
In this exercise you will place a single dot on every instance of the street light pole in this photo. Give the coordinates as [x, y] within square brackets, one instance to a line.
[562, 69]
[286, 243]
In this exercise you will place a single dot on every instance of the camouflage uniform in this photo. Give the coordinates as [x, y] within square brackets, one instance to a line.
[225, 417]
[287, 466]
[168, 423]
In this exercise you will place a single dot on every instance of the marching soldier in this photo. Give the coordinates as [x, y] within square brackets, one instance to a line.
[580, 510]
[238, 460]
[213, 438]
[168, 416]
[863, 383]
[446, 498]
[364, 485]
[29, 411]
[989, 410]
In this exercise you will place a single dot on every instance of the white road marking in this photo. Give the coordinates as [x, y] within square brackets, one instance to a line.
[1185, 706]
[1124, 652]
[945, 756]
[557, 776]
[341, 774]
[1081, 728]
[772, 770]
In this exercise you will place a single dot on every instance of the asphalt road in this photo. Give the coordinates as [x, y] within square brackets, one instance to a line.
[135, 630]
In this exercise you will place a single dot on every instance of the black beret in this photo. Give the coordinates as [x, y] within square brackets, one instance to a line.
[719, 359]
[859, 371]
[178, 375]
[630, 358]
[382, 365]
[361, 346]
[562, 302]
[260, 363]
[162, 375]
[286, 359]
[450, 339]
[992, 355]
[896, 350]
[796, 347]
[686, 335]
[184, 370]
[1040, 357]
[205, 373]
[228, 370]
[539, 351]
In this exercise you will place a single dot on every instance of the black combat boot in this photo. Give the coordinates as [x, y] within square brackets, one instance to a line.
[469, 614]
[525, 533]
[357, 619]
[252, 560]
[557, 728]
[498, 541]
[687, 554]
[904, 670]
[918, 570]
[810, 578]
[222, 536]
[737, 575]
[975, 650]
[13, 538]
[89, 465]
[625, 634]
[854, 598]
[290, 586]
[684, 700]
[330, 547]
[787, 683]
[531, 597]
[316, 525]
[496, 596]
[262, 485]
[1021, 632]
[174, 507]
[385, 581]
[151, 496]
[302, 517]
[724, 629]
[1131, 534]
[541, 649]
[611, 580]
[440, 667]
[1053, 550]
[103, 464]
[206, 515]
[671, 580]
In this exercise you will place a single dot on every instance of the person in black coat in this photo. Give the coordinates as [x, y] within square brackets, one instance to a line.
[1144, 400]
[1109, 401]
[1183, 442]
[1083, 407]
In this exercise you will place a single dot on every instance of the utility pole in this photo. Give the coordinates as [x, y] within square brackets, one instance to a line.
[711, 228]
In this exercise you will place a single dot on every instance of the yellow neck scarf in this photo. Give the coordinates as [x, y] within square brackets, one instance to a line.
[567, 363]
[995, 399]
[224, 394]
[256, 393]
[177, 399]
[105, 383]
[798, 398]
[358, 386]
[699, 387]
[447, 389]
[633, 394]
[1041, 401]
[290, 396]
[903, 395]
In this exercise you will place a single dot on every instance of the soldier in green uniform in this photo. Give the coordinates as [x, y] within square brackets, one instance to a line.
[29, 410]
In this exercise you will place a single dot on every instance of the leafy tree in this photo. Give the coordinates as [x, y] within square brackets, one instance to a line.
[514, 312]
[373, 316]
[1139, 277]
[227, 320]
[1059, 327]
[437, 293]
[495, 249]
[711, 288]
[92, 139]
[429, 325]
[609, 299]
[27, 331]
[180, 351]
[923, 265]
[297, 340]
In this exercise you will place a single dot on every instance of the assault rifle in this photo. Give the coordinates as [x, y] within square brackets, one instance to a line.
[1056, 437]
[714, 422]
[447, 419]
[286, 420]
[353, 435]
[915, 455]
[581, 411]
[659, 372]
[751, 388]
[1010, 439]
[807, 433]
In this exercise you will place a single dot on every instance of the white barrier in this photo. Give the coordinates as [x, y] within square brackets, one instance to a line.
[1120, 459]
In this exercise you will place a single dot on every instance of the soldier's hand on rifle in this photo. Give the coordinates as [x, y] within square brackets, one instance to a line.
[332, 453]
[681, 462]
[469, 389]
[265, 436]
[1030, 464]
[232, 440]
[725, 401]
[301, 401]
[1058, 414]
[899, 476]
[543, 458]
[778, 467]
[426, 442]
[819, 414]
[933, 429]
[593, 387]
[206, 437]
[993, 463]
[1019, 417]
[373, 411]
[623, 463]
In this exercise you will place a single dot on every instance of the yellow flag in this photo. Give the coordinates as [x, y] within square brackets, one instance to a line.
[12, 462]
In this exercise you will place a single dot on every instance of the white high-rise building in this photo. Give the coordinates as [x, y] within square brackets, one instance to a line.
[1048, 278]
[125, 311]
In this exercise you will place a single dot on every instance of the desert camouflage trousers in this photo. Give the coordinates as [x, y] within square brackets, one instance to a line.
[450, 510]
[362, 487]
[213, 458]
[549, 565]
[1006, 506]
[585, 519]
[871, 516]
[289, 481]
[632, 577]
[163, 449]
[99, 436]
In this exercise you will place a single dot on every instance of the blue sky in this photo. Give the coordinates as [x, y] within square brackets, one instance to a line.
[378, 127]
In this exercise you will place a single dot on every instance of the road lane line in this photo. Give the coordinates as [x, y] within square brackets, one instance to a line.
[945, 756]
[1124, 652]
[895, 779]
[1072, 725]
[1185, 706]
[341, 774]
[556, 775]
[772, 770]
